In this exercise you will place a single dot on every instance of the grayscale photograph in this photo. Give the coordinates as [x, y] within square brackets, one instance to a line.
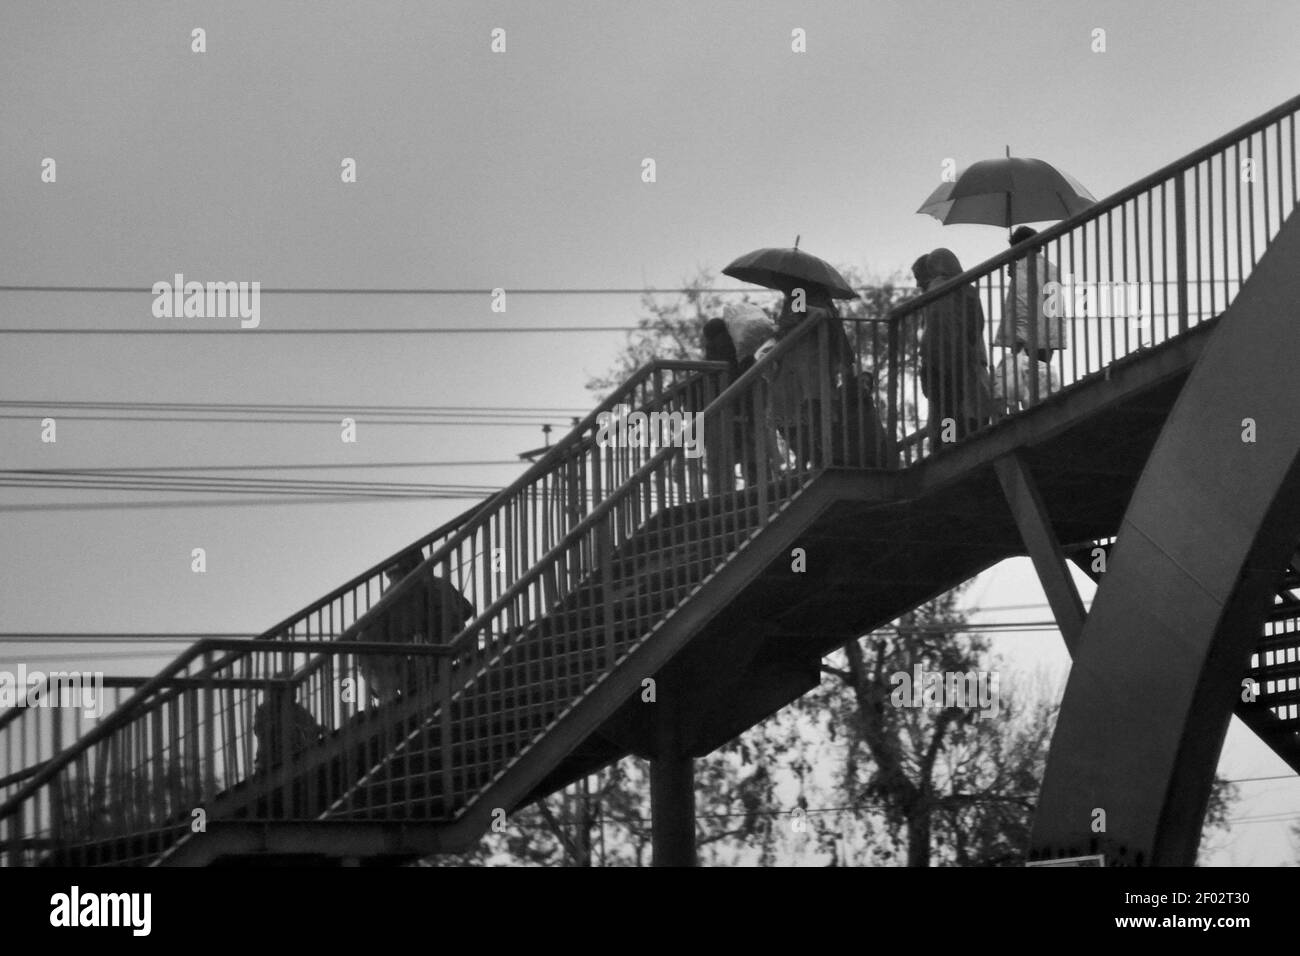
[698, 434]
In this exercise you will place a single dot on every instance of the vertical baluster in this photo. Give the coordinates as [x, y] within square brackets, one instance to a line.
[1295, 197]
[1223, 197]
[894, 393]
[1263, 192]
[208, 756]
[1250, 196]
[1063, 323]
[1196, 222]
[1180, 247]
[1209, 229]
[1241, 270]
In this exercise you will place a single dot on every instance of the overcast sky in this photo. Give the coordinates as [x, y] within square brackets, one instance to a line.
[478, 170]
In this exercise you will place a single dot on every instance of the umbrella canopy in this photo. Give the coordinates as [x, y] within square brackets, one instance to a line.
[1002, 192]
[787, 269]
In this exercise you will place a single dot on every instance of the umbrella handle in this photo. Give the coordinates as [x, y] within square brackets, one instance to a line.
[1008, 149]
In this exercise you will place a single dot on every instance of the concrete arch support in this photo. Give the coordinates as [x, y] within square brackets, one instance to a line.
[1210, 526]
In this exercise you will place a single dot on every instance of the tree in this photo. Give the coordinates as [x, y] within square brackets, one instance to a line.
[951, 781]
[1223, 797]
[670, 328]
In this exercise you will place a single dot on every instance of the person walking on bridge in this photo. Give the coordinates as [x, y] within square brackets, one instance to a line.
[799, 377]
[1027, 329]
[430, 612]
[954, 364]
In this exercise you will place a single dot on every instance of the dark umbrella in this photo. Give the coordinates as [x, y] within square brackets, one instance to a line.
[1003, 192]
[787, 269]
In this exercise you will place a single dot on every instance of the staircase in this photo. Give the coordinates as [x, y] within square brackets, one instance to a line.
[604, 567]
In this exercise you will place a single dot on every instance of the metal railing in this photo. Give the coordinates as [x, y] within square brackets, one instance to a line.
[616, 576]
[221, 731]
[49, 712]
[43, 760]
[1131, 273]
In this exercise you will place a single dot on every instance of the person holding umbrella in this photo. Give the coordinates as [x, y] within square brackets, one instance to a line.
[1002, 192]
[797, 377]
[749, 327]
[1027, 330]
[801, 379]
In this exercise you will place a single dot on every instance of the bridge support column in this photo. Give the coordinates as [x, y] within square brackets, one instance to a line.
[672, 810]
[672, 786]
[1036, 529]
[1199, 554]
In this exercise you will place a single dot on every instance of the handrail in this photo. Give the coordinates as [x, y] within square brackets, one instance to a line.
[572, 541]
[737, 391]
[740, 385]
[1129, 273]
[1098, 209]
[465, 519]
[369, 573]
[164, 680]
[729, 395]
[538, 468]
[398, 592]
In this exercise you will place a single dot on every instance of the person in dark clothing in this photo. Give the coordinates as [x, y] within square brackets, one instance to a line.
[743, 444]
[281, 720]
[718, 346]
[921, 271]
[954, 362]
[432, 612]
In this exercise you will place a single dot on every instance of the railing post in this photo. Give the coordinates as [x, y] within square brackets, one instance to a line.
[1180, 247]
[56, 788]
[823, 407]
[1034, 305]
[446, 763]
[209, 755]
[605, 545]
[895, 388]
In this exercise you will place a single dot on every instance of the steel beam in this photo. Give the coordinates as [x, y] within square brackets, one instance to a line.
[672, 810]
[672, 776]
[1049, 561]
[1124, 380]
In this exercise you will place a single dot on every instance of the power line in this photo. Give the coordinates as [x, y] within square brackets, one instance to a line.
[73, 636]
[326, 491]
[194, 419]
[245, 494]
[110, 655]
[444, 330]
[122, 469]
[225, 503]
[301, 408]
[414, 290]
[120, 637]
[76, 479]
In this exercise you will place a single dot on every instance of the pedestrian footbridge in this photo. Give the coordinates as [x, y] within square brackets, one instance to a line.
[1165, 442]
